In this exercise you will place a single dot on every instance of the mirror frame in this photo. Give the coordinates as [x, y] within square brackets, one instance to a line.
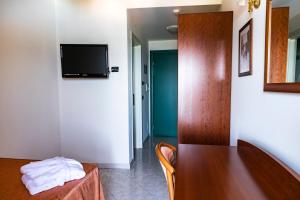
[274, 87]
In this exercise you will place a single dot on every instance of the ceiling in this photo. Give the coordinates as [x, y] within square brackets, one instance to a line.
[277, 3]
[152, 22]
[294, 9]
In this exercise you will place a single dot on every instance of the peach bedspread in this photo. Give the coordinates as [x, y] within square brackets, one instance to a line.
[12, 188]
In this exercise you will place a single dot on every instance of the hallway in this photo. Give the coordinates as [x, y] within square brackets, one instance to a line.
[145, 180]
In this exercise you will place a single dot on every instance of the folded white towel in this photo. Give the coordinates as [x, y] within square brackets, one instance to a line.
[73, 172]
[35, 172]
[38, 164]
[35, 189]
[43, 175]
[35, 167]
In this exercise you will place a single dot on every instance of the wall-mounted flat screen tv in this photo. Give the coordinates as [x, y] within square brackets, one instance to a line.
[84, 60]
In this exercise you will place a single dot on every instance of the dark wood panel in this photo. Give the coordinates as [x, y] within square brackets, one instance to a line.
[204, 77]
[231, 173]
[279, 45]
[279, 164]
[282, 87]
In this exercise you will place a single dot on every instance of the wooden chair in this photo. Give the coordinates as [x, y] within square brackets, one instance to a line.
[165, 153]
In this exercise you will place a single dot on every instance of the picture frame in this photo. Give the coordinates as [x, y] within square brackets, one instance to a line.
[245, 49]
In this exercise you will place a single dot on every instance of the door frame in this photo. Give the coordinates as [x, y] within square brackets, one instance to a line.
[137, 92]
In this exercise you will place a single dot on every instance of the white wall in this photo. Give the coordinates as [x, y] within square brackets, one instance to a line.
[94, 112]
[269, 120]
[96, 122]
[166, 3]
[29, 119]
[144, 44]
[94, 118]
[162, 45]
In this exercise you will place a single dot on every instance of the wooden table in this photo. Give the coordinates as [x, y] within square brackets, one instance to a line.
[241, 173]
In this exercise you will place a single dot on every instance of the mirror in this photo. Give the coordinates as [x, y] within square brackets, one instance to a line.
[282, 70]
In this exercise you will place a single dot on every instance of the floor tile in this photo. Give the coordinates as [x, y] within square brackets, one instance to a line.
[144, 181]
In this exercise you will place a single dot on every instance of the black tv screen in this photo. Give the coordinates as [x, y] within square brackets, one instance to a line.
[84, 60]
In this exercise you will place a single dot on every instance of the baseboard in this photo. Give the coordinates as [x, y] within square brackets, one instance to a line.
[114, 166]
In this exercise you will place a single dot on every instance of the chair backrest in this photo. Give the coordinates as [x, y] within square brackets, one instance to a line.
[165, 153]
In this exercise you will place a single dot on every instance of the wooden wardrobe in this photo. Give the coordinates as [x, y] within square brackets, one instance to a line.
[279, 45]
[204, 77]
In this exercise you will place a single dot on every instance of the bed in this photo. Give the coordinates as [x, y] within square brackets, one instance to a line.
[12, 188]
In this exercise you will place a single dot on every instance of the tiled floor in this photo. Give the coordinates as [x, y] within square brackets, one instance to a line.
[145, 181]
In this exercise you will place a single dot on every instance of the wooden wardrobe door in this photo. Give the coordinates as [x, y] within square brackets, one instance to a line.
[204, 77]
[279, 45]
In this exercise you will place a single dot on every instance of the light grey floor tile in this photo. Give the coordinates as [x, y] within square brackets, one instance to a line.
[144, 181]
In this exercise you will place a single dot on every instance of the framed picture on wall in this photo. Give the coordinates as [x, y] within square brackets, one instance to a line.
[245, 49]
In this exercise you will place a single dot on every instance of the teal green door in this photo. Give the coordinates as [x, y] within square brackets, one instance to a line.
[164, 73]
